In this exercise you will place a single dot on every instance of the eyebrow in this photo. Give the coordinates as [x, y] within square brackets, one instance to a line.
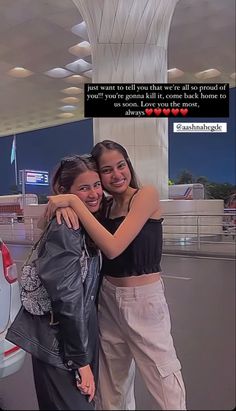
[105, 167]
[89, 185]
[108, 166]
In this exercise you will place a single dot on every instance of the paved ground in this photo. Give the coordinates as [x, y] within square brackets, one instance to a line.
[201, 296]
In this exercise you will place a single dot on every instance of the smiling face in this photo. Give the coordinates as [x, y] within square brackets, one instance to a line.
[114, 171]
[87, 186]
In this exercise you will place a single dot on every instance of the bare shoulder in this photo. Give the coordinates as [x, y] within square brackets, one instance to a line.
[146, 201]
[149, 191]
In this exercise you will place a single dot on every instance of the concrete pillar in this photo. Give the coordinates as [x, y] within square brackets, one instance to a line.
[129, 41]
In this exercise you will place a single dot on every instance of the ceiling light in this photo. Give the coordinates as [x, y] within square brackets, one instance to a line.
[76, 79]
[174, 73]
[206, 74]
[70, 100]
[80, 30]
[65, 115]
[20, 72]
[58, 73]
[68, 108]
[72, 90]
[82, 49]
[79, 66]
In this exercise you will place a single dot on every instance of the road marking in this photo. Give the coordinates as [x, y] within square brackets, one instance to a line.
[176, 277]
[204, 257]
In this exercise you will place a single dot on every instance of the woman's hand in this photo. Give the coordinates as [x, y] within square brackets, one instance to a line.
[70, 217]
[87, 383]
[58, 201]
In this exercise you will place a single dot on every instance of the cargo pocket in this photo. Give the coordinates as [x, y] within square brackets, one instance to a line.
[172, 384]
[169, 368]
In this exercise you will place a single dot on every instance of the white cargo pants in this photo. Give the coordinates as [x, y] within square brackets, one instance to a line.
[134, 324]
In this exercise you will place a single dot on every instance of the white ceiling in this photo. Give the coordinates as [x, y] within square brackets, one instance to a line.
[37, 35]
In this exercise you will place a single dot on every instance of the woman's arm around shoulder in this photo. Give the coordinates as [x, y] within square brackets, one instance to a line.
[145, 205]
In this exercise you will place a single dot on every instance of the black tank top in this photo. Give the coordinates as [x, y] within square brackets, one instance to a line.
[142, 256]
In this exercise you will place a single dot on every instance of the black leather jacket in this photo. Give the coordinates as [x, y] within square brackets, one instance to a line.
[65, 260]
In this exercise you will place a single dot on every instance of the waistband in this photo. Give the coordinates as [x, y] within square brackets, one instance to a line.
[138, 291]
[134, 281]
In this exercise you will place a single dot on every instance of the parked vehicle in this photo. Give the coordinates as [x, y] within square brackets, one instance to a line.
[11, 356]
[193, 191]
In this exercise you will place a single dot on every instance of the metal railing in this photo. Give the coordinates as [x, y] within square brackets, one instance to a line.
[205, 233]
[19, 231]
[180, 231]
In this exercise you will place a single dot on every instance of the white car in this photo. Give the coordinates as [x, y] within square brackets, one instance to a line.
[11, 356]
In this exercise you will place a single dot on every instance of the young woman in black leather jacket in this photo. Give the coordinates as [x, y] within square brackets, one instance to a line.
[65, 345]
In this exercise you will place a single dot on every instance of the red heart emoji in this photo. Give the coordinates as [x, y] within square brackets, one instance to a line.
[175, 111]
[157, 111]
[148, 111]
[183, 111]
[166, 111]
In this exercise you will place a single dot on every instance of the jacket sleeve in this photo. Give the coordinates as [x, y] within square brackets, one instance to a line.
[59, 269]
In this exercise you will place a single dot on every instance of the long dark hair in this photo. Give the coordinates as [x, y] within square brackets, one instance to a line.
[106, 145]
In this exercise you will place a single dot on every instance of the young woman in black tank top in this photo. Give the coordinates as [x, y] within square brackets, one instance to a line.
[133, 314]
